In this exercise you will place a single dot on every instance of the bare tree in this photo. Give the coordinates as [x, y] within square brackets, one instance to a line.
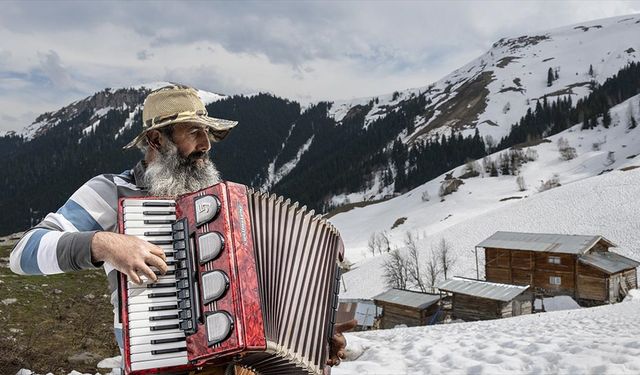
[383, 241]
[395, 270]
[445, 256]
[413, 263]
[521, 184]
[372, 244]
[432, 270]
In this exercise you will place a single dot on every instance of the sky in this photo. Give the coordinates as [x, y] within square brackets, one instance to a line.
[53, 53]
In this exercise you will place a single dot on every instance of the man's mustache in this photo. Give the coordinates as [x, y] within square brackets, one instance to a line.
[197, 155]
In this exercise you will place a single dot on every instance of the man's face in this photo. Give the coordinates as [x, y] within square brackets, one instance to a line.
[192, 141]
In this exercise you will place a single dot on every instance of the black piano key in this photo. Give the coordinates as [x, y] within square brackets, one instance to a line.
[157, 213]
[162, 308]
[171, 263]
[168, 273]
[166, 351]
[161, 285]
[161, 242]
[163, 317]
[160, 295]
[158, 221]
[167, 341]
[165, 327]
[158, 204]
[152, 234]
[169, 253]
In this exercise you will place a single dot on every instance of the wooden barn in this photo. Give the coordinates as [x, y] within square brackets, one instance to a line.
[482, 300]
[407, 307]
[559, 264]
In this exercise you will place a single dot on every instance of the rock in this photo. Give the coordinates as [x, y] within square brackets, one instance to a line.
[15, 330]
[89, 296]
[113, 362]
[57, 291]
[86, 358]
[9, 301]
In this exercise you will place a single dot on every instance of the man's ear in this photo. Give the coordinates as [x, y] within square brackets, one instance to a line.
[154, 139]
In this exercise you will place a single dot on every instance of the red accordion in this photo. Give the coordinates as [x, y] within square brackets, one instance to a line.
[253, 281]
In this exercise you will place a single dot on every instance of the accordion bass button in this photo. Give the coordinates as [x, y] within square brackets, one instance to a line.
[209, 246]
[206, 208]
[219, 325]
[214, 285]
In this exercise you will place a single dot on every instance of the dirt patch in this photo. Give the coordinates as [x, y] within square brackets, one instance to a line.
[463, 109]
[489, 122]
[510, 198]
[568, 90]
[511, 88]
[630, 50]
[506, 61]
[549, 59]
[519, 42]
[516, 81]
[631, 156]
[351, 206]
[587, 28]
[629, 168]
[398, 222]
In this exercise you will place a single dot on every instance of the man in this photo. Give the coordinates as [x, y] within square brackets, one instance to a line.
[175, 140]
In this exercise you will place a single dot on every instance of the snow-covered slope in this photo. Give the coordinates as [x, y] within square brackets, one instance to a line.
[586, 203]
[600, 340]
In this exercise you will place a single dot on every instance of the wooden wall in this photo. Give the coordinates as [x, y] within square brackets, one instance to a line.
[393, 315]
[469, 308]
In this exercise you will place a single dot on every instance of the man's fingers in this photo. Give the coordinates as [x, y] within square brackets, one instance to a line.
[133, 276]
[157, 262]
[148, 272]
[156, 250]
[342, 354]
[346, 326]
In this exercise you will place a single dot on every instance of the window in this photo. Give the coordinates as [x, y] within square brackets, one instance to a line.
[554, 280]
[554, 260]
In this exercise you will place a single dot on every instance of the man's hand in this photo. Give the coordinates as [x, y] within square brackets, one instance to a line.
[338, 343]
[128, 254]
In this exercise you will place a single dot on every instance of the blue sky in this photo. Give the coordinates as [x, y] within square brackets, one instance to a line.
[52, 53]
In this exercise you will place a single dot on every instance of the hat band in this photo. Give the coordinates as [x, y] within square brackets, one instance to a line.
[160, 119]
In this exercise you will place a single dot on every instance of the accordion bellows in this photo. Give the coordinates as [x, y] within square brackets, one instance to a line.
[256, 282]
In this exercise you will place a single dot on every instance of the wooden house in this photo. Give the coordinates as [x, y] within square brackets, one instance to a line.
[407, 307]
[482, 300]
[558, 264]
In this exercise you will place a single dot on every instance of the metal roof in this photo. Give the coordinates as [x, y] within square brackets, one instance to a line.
[482, 289]
[608, 262]
[408, 298]
[543, 242]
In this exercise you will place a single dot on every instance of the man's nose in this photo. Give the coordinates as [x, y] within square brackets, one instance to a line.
[204, 144]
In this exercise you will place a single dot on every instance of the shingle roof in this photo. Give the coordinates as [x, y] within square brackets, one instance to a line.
[481, 288]
[408, 298]
[608, 262]
[543, 242]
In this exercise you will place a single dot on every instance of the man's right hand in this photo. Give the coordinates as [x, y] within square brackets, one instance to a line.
[129, 255]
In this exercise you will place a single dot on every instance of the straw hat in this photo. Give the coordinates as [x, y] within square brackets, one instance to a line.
[179, 104]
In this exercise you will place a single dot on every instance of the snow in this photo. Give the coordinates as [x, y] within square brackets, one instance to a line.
[275, 176]
[599, 340]
[556, 303]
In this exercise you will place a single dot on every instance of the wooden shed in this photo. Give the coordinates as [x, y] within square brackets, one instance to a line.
[407, 307]
[482, 300]
[579, 266]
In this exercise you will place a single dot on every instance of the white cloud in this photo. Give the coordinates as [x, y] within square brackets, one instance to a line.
[307, 51]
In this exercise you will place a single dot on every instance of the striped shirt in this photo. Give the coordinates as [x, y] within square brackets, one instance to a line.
[61, 242]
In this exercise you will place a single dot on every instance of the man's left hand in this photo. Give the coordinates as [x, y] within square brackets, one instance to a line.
[338, 344]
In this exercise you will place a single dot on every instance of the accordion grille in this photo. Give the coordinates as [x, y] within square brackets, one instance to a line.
[296, 258]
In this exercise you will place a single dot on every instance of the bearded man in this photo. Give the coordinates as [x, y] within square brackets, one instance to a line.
[176, 139]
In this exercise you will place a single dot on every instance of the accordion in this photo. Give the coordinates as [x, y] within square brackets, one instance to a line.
[253, 281]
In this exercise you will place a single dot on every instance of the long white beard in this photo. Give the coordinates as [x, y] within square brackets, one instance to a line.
[172, 174]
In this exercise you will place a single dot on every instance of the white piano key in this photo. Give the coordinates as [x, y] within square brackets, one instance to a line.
[141, 209]
[144, 340]
[152, 323]
[139, 217]
[140, 202]
[148, 356]
[145, 315]
[156, 238]
[141, 224]
[159, 363]
[147, 348]
[144, 307]
[146, 331]
[141, 231]
[158, 300]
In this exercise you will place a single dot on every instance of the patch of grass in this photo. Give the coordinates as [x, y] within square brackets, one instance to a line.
[351, 206]
[53, 318]
[398, 222]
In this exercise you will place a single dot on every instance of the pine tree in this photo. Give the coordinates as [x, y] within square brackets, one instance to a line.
[633, 123]
[606, 119]
[549, 77]
[590, 70]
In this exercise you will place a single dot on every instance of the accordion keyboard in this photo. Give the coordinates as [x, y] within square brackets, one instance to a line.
[157, 333]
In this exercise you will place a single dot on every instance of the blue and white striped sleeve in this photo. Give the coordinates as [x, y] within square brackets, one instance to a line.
[62, 241]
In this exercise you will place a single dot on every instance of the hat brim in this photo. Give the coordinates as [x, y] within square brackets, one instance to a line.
[218, 128]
